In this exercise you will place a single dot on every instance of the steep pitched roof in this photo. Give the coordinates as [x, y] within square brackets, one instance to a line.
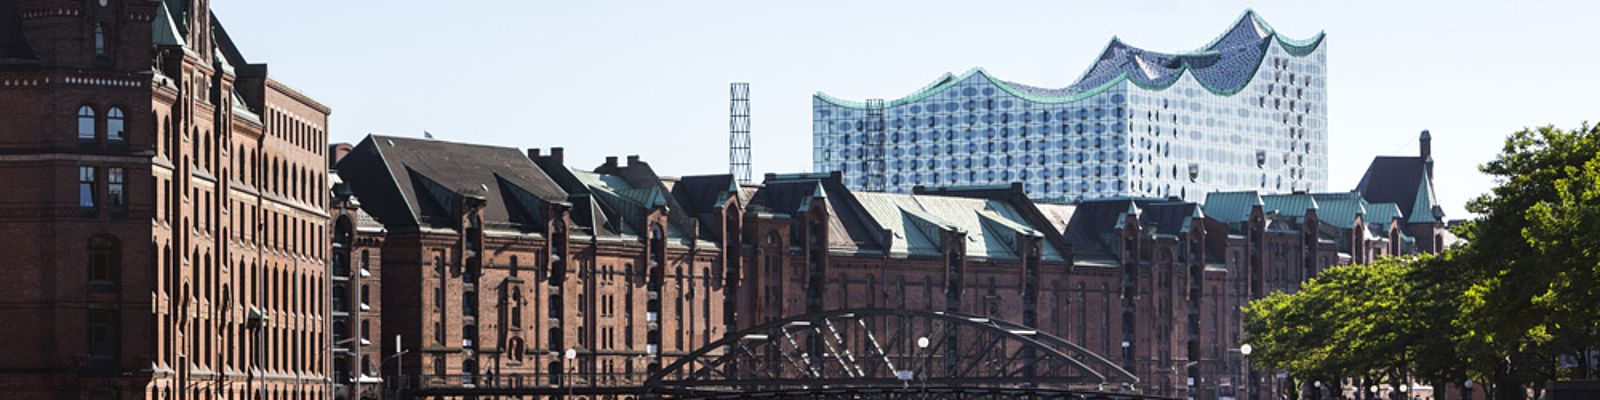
[848, 226]
[1092, 230]
[164, 28]
[414, 182]
[1170, 218]
[701, 196]
[1399, 180]
[14, 47]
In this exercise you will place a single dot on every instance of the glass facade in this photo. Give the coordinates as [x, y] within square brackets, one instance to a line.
[1246, 112]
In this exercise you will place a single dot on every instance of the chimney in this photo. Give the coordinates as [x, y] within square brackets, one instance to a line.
[1426, 146]
[558, 155]
[633, 160]
[611, 165]
[533, 154]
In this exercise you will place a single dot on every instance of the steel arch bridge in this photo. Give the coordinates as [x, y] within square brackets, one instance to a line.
[889, 354]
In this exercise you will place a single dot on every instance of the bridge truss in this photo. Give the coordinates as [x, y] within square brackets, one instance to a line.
[881, 353]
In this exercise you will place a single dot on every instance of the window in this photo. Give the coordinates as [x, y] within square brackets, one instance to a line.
[103, 260]
[86, 123]
[100, 40]
[103, 333]
[86, 187]
[114, 123]
[114, 188]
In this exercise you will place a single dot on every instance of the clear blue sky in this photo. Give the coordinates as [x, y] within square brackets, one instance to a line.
[651, 78]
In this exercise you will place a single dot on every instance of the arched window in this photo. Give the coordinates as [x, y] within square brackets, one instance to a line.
[86, 123]
[104, 256]
[114, 123]
[100, 40]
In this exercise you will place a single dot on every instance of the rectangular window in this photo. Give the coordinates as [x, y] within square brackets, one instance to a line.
[103, 334]
[114, 188]
[86, 187]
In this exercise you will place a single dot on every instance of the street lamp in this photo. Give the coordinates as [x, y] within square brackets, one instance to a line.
[571, 354]
[1466, 393]
[1249, 374]
[1373, 389]
[922, 350]
[1317, 386]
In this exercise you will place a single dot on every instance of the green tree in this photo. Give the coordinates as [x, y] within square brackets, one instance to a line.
[1531, 256]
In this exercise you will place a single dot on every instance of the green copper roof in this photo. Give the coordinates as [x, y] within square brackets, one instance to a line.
[1425, 208]
[1231, 207]
[164, 29]
[1292, 205]
[1340, 209]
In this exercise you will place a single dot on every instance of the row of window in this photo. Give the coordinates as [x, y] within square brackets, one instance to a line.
[89, 124]
[114, 189]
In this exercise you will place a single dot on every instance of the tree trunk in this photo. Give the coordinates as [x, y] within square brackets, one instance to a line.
[1506, 386]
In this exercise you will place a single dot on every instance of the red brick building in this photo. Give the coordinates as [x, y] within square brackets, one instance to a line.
[166, 224]
[631, 269]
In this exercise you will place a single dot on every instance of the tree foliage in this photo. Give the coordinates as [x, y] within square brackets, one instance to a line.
[1516, 300]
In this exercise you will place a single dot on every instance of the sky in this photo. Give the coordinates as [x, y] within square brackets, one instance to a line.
[610, 78]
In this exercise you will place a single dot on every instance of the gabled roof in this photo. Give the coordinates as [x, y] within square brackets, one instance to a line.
[1232, 207]
[916, 220]
[164, 28]
[1425, 209]
[1170, 218]
[1340, 209]
[1057, 214]
[701, 197]
[1402, 181]
[405, 182]
[1289, 205]
[848, 227]
[1093, 228]
[14, 47]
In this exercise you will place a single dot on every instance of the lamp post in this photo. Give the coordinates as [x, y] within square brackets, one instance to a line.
[922, 351]
[1374, 390]
[570, 355]
[399, 368]
[1317, 389]
[1404, 389]
[1466, 390]
[1249, 374]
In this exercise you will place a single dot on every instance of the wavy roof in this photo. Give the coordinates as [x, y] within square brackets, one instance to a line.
[1223, 67]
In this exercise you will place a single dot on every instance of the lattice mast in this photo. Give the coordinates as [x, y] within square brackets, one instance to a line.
[739, 131]
[873, 128]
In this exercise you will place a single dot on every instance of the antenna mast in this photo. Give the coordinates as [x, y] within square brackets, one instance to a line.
[739, 131]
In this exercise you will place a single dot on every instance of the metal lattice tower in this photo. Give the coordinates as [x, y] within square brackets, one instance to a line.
[873, 126]
[739, 131]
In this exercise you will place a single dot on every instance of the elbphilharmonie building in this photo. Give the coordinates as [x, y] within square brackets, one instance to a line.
[1248, 111]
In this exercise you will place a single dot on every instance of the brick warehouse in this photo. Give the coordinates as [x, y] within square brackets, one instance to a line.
[517, 258]
[166, 217]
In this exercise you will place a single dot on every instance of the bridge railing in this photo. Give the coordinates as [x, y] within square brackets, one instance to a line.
[519, 380]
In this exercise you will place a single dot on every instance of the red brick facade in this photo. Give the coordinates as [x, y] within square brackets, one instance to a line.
[1153, 285]
[166, 223]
